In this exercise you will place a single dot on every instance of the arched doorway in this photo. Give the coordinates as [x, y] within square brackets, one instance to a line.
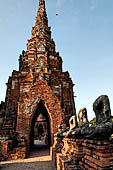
[40, 125]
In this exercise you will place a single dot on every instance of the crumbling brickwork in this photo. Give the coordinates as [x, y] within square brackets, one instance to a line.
[40, 85]
[2, 113]
[83, 154]
[98, 155]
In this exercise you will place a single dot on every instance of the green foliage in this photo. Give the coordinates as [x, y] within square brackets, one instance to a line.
[93, 122]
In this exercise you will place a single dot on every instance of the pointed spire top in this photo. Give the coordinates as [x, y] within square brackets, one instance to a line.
[41, 14]
[41, 5]
[41, 2]
[41, 21]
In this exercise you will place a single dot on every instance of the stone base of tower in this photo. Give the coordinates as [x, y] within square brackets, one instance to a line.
[9, 150]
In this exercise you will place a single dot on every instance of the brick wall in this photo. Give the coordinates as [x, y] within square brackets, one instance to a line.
[84, 155]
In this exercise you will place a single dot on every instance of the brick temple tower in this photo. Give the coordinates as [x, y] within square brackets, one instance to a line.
[39, 87]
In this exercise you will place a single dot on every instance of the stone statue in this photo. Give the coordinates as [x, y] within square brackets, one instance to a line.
[103, 128]
[73, 128]
[72, 125]
[102, 109]
[83, 122]
[104, 125]
[82, 116]
[63, 133]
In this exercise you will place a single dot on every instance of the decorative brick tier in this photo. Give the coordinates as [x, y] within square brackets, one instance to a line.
[98, 155]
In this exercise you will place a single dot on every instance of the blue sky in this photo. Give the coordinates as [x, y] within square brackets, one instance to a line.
[83, 33]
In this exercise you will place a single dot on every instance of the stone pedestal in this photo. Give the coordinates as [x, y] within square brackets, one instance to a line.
[98, 155]
[77, 151]
[18, 153]
[56, 148]
[62, 161]
[4, 148]
[70, 155]
[10, 152]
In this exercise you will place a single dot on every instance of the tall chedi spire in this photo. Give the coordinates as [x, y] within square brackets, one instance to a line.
[41, 29]
[41, 47]
[40, 79]
[40, 86]
[41, 63]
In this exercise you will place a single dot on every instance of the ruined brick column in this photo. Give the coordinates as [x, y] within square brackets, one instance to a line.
[71, 154]
[77, 151]
[56, 149]
[98, 155]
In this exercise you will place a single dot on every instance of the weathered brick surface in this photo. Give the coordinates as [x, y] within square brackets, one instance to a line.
[79, 154]
[56, 148]
[98, 155]
[71, 154]
[2, 113]
[40, 79]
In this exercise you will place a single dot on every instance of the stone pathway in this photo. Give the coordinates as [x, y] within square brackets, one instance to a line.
[39, 159]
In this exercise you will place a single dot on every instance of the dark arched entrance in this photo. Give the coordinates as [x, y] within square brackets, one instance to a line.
[41, 109]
